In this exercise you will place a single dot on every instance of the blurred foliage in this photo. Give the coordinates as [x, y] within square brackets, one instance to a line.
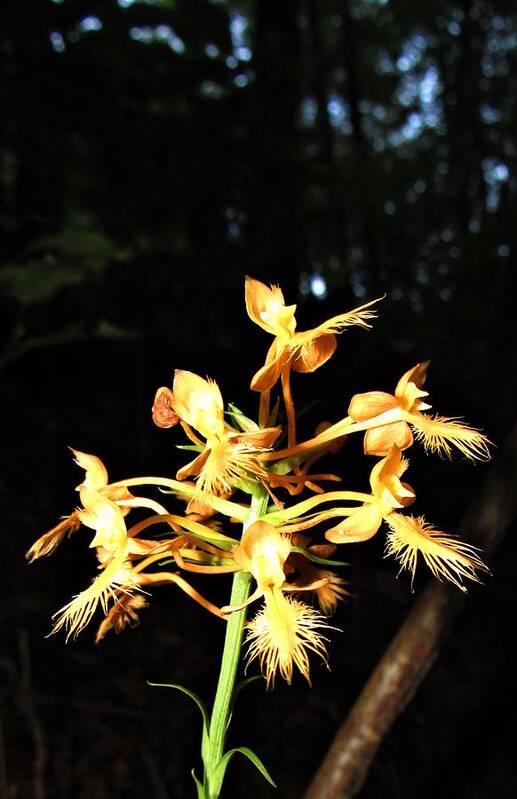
[151, 154]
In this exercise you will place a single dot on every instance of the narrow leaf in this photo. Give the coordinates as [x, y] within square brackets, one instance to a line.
[257, 762]
[195, 698]
[315, 559]
[199, 787]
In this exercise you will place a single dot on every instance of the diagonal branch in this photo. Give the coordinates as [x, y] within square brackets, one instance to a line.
[416, 645]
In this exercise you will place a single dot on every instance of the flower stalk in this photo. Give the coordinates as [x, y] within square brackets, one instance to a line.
[223, 701]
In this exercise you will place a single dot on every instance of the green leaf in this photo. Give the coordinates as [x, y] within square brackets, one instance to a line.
[243, 750]
[240, 687]
[284, 466]
[199, 786]
[244, 684]
[105, 329]
[189, 447]
[246, 424]
[201, 706]
[195, 698]
[316, 559]
[249, 487]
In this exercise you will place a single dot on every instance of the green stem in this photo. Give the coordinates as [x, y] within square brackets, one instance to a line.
[223, 700]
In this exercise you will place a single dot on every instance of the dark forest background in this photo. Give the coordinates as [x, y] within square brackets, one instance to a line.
[152, 154]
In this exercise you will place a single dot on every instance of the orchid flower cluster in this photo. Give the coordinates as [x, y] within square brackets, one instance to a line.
[252, 473]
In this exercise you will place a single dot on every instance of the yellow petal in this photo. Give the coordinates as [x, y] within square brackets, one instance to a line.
[283, 634]
[193, 467]
[96, 474]
[266, 307]
[106, 518]
[263, 438]
[361, 525]
[440, 433]
[380, 440]
[263, 552]
[446, 556]
[123, 613]
[198, 402]
[408, 390]
[372, 403]
[312, 353]
[267, 375]
[78, 613]
[48, 542]
[386, 485]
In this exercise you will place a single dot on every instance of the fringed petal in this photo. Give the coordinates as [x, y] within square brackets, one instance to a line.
[440, 433]
[124, 613]
[51, 540]
[225, 466]
[283, 634]
[446, 556]
[74, 616]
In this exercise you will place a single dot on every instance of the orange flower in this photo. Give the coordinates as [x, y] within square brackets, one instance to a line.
[285, 630]
[388, 493]
[330, 588]
[446, 556]
[122, 614]
[400, 415]
[408, 396]
[301, 351]
[228, 455]
[95, 486]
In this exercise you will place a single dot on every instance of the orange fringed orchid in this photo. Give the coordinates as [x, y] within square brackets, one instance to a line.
[446, 556]
[329, 587]
[302, 351]
[228, 455]
[291, 349]
[388, 493]
[403, 412]
[285, 630]
[95, 482]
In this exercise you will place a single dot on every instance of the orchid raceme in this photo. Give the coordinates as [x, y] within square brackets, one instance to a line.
[252, 504]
